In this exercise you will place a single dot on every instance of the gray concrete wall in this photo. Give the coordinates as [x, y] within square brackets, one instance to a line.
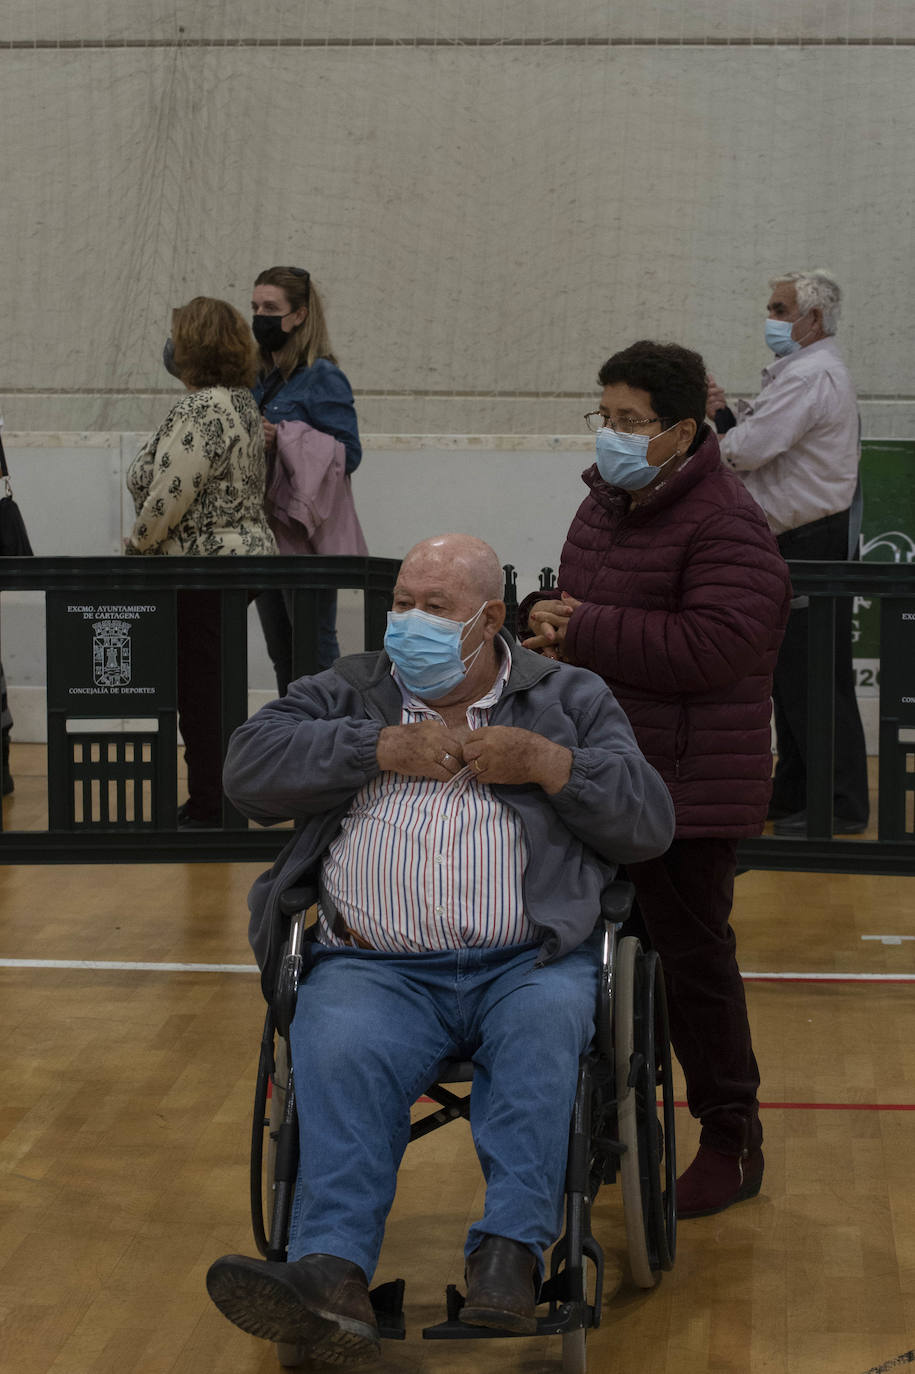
[491, 196]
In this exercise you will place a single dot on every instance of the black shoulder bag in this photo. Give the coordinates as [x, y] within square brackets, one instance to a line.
[14, 538]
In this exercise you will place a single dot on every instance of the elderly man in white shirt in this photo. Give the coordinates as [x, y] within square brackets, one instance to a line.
[797, 448]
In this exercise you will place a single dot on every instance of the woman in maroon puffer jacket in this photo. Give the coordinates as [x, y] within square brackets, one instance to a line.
[672, 588]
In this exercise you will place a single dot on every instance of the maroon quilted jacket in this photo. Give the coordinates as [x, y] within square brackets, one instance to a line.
[685, 603]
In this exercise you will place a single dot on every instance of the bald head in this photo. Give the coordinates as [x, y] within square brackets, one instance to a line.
[461, 561]
[458, 578]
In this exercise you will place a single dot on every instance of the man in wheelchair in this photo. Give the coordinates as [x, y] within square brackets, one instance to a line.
[462, 803]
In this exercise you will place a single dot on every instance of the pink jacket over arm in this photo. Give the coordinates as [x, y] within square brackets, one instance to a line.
[309, 497]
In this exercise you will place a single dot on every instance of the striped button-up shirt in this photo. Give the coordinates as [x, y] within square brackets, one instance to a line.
[426, 865]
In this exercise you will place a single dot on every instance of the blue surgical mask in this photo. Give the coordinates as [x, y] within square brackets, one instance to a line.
[778, 337]
[426, 650]
[622, 459]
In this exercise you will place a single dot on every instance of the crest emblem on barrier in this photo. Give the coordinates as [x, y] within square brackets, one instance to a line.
[111, 653]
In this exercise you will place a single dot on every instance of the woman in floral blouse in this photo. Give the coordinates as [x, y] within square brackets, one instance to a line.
[198, 489]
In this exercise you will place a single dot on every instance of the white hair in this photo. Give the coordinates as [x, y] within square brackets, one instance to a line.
[816, 290]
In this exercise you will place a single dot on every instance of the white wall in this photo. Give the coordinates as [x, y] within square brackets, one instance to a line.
[517, 493]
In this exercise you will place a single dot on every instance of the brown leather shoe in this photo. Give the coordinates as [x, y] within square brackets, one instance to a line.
[500, 1286]
[319, 1303]
[715, 1181]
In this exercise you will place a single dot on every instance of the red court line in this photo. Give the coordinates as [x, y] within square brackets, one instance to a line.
[849, 978]
[832, 1106]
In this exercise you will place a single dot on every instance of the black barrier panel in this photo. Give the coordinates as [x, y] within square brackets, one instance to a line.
[112, 788]
[897, 720]
[136, 581]
[111, 781]
[897, 661]
[892, 586]
[111, 657]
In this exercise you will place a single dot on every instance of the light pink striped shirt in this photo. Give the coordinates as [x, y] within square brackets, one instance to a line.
[426, 865]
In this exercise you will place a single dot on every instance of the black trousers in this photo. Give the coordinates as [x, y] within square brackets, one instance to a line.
[683, 903]
[823, 539]
[275, 612]
[199, 681]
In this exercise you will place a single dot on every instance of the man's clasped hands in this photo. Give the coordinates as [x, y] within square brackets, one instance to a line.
[494, 753]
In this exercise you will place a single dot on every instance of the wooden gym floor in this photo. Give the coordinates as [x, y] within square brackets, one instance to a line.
[125, 1097]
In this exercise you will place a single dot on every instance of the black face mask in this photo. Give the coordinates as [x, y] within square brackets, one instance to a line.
[168, 358]
[269, 332]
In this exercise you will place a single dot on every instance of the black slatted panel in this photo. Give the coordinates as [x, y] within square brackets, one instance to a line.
[112, 781]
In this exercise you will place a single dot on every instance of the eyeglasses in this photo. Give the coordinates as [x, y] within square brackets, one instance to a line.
[596, 420]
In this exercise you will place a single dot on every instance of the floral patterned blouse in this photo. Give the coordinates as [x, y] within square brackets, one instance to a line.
[198, 483]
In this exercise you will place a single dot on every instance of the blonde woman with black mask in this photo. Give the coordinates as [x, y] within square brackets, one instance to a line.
[300, 380]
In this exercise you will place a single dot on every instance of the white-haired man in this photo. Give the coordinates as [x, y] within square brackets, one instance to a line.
[797, 448]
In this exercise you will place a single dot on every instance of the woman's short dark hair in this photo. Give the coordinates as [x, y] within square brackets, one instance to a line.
[674, 377]
[213, 344]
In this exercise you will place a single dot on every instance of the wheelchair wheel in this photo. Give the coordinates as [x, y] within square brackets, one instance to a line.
[258, 1179]
[278, 1081]
[648, 1167]
[269, 1110]
[288, 1356]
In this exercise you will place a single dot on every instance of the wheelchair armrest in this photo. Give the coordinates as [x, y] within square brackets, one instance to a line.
[616, 901]
[296, 899]
[295, 961]
[616, 905]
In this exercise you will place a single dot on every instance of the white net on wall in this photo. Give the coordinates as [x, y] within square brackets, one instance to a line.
[492, 197]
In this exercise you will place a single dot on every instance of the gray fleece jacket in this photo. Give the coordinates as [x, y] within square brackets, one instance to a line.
[307, 754]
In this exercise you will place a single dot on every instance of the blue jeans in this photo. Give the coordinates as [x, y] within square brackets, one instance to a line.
[370, 1030]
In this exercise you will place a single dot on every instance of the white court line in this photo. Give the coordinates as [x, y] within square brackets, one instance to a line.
[106, 965]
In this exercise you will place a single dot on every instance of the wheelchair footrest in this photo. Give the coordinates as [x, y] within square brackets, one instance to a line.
[387, 1300]
[567, 1316]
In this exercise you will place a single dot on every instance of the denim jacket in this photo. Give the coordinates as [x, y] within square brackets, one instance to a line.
[322, 397]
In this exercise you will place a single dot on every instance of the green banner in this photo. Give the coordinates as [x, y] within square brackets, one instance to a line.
[887, 536]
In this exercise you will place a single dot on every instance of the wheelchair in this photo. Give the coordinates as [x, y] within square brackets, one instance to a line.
[615, 1132]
